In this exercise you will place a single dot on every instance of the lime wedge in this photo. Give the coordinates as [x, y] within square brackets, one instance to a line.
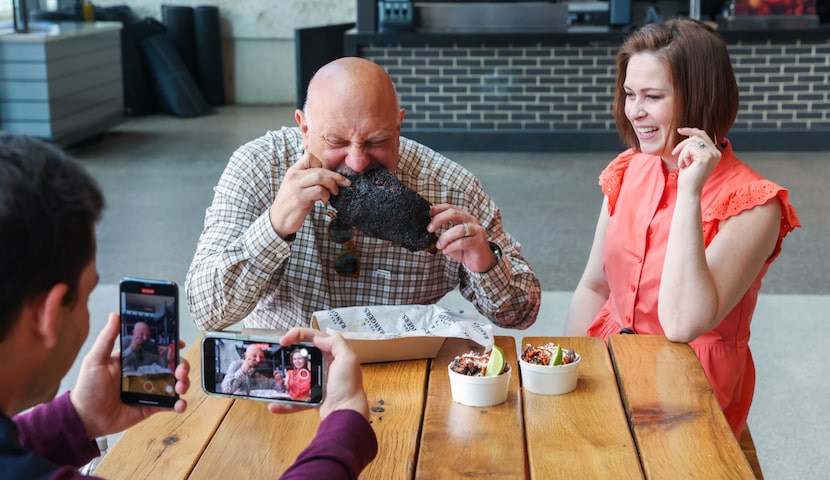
[496, 363]
[557, 357]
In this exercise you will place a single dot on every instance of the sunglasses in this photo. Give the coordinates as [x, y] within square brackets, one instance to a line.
[346, 264]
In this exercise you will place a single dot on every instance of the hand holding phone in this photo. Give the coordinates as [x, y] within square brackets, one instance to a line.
[260, 368]
[149, 341]
[344, 376]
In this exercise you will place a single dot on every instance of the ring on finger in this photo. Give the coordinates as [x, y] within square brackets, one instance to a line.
[701, 144]
[467, 229]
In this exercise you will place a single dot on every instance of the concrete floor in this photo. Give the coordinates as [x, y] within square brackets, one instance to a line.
[158, 172]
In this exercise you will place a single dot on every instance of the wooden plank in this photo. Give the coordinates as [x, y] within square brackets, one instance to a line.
[584, 433]
[678, 425]
[395, 391]
[168, 445]
[748, 447]
[255, 443]
[458, 441]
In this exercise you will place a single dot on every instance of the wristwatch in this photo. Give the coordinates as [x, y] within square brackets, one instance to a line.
[496, 251]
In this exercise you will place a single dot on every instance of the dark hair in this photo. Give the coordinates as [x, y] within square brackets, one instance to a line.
[698, 64]
[49, 205]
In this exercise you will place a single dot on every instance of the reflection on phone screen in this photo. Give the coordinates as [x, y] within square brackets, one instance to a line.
[148, 344]
[266, 370]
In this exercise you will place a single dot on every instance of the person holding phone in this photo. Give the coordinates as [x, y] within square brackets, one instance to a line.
[49, 206]
[47, 273]
[345, 441]
[244, 375]
[298, 379]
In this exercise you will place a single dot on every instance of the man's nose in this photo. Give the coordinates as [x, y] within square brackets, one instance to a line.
[357, 159]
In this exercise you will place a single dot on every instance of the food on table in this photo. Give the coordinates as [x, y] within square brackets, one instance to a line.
[481, 364]
[378, 204]
[548, 354]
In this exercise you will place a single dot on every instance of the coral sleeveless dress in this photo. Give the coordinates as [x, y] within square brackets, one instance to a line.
[641, 197]
[299, 384]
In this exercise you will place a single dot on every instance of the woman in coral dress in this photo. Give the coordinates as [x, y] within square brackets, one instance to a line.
[686, 231]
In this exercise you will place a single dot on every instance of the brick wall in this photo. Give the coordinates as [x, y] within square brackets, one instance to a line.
[784, 86]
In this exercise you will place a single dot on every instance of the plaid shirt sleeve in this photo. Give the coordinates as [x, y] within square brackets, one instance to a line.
[238, 250]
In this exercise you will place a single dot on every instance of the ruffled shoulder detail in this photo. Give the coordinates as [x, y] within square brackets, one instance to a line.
[611, 178]
[749, 196]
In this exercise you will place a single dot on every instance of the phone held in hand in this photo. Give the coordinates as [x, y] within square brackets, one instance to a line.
[149, 341]
[259, 368]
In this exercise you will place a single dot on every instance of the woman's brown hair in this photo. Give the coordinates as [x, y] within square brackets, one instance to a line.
[699, 68]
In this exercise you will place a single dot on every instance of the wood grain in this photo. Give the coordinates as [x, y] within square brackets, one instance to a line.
[584, 433]
[168, 445]
[678, 425]
[458, 441]
[396, 393]
[255, 443]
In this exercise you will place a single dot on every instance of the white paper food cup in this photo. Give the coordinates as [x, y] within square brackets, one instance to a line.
[479, 391]
[548, 380]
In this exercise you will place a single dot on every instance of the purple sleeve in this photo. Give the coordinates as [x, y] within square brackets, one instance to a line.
[54, 431]
[345, 443]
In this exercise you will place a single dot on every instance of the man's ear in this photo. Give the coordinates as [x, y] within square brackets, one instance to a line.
[299, 117]
[50, 314]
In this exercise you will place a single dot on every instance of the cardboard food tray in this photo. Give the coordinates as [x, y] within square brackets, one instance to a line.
[374, 351]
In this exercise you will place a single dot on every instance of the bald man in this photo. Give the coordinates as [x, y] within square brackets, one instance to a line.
[266, 257]
[140, 349]
[243, 375]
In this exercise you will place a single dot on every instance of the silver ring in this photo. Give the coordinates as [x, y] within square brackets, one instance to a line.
[467, 230]
[701, 144]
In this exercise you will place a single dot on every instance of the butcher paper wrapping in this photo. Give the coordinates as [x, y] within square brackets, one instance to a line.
[401, 332]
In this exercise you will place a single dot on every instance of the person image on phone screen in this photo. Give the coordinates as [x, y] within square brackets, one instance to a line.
[139, 349]
[298, 380]
[244, 375]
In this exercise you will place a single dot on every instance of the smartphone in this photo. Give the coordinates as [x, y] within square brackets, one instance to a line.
[259, 368]
[149, 341]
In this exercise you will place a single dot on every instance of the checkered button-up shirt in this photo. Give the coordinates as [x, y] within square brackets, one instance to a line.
[243, 270]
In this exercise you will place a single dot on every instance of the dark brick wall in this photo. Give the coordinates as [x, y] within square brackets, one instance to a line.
[785, 86]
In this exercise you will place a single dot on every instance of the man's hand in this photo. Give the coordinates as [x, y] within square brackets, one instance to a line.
[465, 240]
[96, 396]
[344, 380]
[136, 343]
[248, 366]
[305, 183]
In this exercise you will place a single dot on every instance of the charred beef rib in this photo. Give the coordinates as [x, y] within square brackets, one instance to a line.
[379, 205]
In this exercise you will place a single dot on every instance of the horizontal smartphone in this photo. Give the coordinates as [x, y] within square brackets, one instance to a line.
[259, 368]
[149, 341]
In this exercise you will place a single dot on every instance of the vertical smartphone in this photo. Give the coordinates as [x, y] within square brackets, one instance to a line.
[149, 341]
[259, 368]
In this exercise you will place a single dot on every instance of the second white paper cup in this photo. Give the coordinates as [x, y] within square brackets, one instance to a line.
[479, 391]
[547, 380]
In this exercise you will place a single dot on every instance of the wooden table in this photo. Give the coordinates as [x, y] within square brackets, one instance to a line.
[642, 409]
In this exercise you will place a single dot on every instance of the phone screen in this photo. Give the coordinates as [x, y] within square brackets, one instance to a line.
[149, 341]
[260, 368]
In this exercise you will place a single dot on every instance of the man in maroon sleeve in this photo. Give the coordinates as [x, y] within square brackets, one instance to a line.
[49, 206]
